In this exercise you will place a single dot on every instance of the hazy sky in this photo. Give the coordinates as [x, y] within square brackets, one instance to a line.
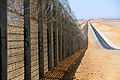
[96, 8]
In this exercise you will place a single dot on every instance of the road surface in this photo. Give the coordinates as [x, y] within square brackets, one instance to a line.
[101, 39]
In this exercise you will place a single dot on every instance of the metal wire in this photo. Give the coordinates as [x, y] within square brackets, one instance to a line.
[65, 17]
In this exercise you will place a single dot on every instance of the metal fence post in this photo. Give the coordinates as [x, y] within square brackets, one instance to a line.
[52, 22]
[42, 38]
[60, 31]
[27, 41]
[49, 34]
[63, 36]
[3, 39]
[55, 33]
[66, 35]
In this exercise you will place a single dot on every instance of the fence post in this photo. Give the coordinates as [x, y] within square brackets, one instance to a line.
[68, 37]
[27, 41]
[63, 35]
[64, 23]
[55, 33]
[60, 31]
[42, 38]
[66, 40]
[49, 34]
[3, 39]
[52, 43]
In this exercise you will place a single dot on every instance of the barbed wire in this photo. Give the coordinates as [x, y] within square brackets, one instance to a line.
[20, 8]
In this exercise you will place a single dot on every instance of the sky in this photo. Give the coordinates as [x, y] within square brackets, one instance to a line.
[87, 9]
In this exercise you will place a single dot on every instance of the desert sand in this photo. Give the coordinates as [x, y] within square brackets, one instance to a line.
[99, 63]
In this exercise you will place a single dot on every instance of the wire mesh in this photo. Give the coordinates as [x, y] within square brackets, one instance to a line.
[34, 41]
[15, 39]
[65, 30]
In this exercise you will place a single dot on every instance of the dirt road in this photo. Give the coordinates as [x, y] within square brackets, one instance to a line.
[98, 63]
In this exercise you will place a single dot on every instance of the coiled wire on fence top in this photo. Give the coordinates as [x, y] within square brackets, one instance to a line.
[34, 36]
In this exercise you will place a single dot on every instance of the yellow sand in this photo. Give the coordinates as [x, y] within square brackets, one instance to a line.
[98, 63]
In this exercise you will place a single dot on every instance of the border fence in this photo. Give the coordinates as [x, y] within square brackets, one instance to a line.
[34, 36]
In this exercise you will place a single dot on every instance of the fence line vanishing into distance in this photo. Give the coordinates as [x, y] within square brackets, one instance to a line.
[34, 36]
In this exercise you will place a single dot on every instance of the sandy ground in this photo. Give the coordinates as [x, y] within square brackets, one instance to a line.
[98, 63]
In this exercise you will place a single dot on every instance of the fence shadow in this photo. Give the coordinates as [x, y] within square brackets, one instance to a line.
[71, 73]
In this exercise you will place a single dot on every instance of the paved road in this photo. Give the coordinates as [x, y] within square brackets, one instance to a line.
[101, 40]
